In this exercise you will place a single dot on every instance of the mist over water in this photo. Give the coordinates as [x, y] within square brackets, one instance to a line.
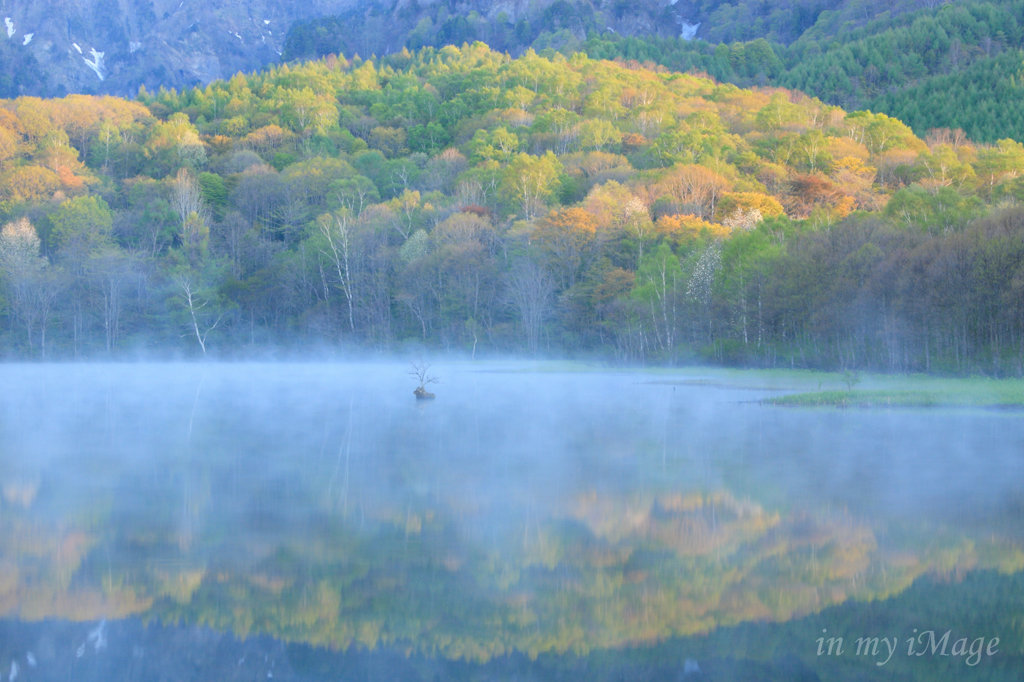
[500, 433]
[246, 497]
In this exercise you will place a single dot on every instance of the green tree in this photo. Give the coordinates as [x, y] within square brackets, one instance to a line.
[530, 181]
[942, 211]
[79, 227]
[661, 286]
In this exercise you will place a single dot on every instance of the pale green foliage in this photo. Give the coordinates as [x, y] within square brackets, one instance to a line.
[415, 247]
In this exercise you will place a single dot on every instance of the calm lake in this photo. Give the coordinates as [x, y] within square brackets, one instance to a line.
[316, 522]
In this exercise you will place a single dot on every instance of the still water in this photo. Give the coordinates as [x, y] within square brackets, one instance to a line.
[316, 522]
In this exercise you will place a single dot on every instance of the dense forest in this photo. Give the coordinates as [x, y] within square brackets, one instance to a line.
[957, 65]
[932, 65]
[464, 200]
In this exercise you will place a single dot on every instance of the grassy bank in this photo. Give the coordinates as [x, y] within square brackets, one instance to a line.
[913, 392]
[799, 388]
[804, 388]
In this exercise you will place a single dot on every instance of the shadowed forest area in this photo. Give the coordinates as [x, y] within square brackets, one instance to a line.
[463, 200]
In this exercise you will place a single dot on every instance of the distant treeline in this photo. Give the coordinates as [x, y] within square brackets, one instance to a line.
[463, 200]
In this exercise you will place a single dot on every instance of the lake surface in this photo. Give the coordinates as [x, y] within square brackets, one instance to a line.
[315, 521]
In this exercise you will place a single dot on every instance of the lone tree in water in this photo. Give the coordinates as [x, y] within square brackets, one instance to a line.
[419, 370]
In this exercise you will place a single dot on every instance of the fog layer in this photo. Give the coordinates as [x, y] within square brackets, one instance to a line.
[323, 503]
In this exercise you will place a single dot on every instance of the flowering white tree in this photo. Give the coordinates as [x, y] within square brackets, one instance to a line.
[638, 223]
[743, 220]
[703, 279]
[186, 196]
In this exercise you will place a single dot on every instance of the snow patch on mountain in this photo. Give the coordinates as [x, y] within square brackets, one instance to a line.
[10, 26]
[689, 30]
[28, 38]
[97, 61]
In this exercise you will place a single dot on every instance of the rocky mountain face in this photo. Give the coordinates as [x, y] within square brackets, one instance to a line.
[55, 47]
[507, 25]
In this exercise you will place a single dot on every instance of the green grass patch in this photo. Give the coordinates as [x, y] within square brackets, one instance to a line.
[945, 396]
[806, 388]
[857, 399]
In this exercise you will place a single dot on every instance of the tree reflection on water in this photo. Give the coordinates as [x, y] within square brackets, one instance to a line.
[522, 516]
[604, 572]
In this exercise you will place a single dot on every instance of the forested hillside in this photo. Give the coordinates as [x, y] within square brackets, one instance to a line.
[50, 44]
[954, 65]
[899, 58]
[463, 200]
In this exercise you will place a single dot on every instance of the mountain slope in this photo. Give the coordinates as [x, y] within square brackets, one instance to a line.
[94, 46]
[172, 43]
[900, 65]
[180, 43]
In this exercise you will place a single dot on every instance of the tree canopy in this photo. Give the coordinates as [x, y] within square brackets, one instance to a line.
[461, 198]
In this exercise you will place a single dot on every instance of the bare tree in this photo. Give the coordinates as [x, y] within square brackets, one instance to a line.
[35, 293]
[111, 271]
[416, 291]
[419, 370]
[230, 239]
[33, 284]
[337, 231]
[530, 290]
[200, 307]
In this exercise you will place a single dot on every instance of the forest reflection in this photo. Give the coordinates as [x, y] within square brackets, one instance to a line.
[597, 571]
[522, 511]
